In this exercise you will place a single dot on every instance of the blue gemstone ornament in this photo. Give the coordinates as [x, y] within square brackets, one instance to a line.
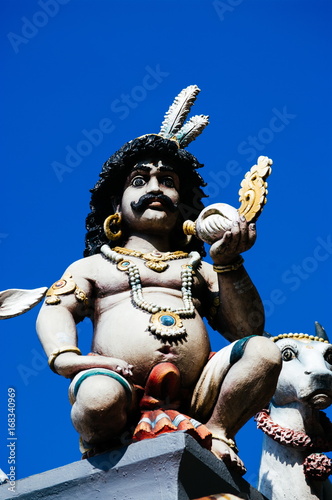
[123, 265]
[167, 320]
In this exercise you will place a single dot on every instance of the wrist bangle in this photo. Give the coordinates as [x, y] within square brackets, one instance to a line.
[230, 267]
[61, 350]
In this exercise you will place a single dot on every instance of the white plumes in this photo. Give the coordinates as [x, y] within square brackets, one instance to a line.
[191, 129]
[178, 111]
[15, 301]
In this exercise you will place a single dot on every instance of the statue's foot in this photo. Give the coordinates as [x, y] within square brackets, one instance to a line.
[89, 451]
[95, 450]
[226, 453]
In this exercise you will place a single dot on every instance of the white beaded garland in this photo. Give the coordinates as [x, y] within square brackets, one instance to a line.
[151, 307]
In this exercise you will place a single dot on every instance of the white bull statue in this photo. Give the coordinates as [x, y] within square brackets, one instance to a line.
[293, 465]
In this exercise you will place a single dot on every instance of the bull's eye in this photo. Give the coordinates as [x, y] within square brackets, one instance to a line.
[328, 356]
[287, 354]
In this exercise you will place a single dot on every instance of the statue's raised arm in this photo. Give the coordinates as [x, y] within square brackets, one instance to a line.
[230, 232]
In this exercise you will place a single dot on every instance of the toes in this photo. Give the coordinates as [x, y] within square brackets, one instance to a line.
[235, 463]
[228, 456]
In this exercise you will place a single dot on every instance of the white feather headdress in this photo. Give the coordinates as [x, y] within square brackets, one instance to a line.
[173, 126]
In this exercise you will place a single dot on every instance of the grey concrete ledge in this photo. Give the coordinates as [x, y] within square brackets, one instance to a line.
[170, 467]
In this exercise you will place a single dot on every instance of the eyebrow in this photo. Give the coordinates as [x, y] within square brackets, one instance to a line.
[140, 166]
[145, 168]
[165, 168]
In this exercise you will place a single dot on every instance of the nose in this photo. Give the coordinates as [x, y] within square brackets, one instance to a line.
[317, 367]
[153, 186]
[318, 371]
[311, 357]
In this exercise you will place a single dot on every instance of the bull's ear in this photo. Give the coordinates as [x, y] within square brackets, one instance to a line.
[320, 331]
[266, 334]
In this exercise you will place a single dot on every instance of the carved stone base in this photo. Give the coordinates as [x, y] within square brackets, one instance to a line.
[170, 467]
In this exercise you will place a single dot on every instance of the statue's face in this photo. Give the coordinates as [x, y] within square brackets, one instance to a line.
[150, 199]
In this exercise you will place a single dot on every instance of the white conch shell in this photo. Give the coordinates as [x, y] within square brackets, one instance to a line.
[16, 301]
[214, 220]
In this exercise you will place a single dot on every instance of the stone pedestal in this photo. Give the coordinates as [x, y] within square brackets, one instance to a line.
[170, 467]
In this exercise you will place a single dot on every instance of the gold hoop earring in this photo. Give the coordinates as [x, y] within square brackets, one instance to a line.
[112, 226]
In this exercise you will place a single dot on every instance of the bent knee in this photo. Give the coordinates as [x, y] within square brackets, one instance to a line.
[99, 394]
[264, 351]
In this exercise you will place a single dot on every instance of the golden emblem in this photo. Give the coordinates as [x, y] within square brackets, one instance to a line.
[253, 189]
[65, 286]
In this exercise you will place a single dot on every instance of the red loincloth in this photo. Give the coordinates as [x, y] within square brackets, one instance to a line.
[158, 407]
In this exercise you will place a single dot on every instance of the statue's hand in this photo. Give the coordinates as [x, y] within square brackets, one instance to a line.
[239, 238]
[68, 364]
[120, 366]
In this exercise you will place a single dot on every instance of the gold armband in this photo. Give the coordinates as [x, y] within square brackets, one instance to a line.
[230, 267]
[61, 350]
[65, 286]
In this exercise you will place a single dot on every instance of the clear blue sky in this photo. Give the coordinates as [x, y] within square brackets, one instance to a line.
[73, 66]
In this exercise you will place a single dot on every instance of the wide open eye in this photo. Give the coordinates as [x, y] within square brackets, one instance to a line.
[138, 181]
[328, 356]
[168, 182]
[288, 354]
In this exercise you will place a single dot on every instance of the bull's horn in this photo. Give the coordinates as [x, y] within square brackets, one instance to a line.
[320, 331]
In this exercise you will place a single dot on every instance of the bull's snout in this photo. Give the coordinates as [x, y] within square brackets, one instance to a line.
[318, 391]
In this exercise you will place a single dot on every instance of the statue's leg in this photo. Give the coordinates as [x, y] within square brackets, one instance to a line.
[100, 405]
[247, 388]
[236, 387]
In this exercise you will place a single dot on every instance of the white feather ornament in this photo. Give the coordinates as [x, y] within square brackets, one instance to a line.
[191, 129]
[178, 111]
[15, 301]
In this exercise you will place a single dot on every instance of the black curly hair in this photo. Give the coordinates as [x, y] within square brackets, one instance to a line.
[108, 190]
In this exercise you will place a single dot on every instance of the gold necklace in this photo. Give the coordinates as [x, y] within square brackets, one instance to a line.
[157, 261]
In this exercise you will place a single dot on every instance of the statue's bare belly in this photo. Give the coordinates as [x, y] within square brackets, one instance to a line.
[121, 332]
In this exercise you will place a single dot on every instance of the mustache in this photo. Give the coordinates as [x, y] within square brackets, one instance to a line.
[146, 199]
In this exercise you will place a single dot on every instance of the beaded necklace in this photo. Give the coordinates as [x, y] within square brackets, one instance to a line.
[165, 321]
